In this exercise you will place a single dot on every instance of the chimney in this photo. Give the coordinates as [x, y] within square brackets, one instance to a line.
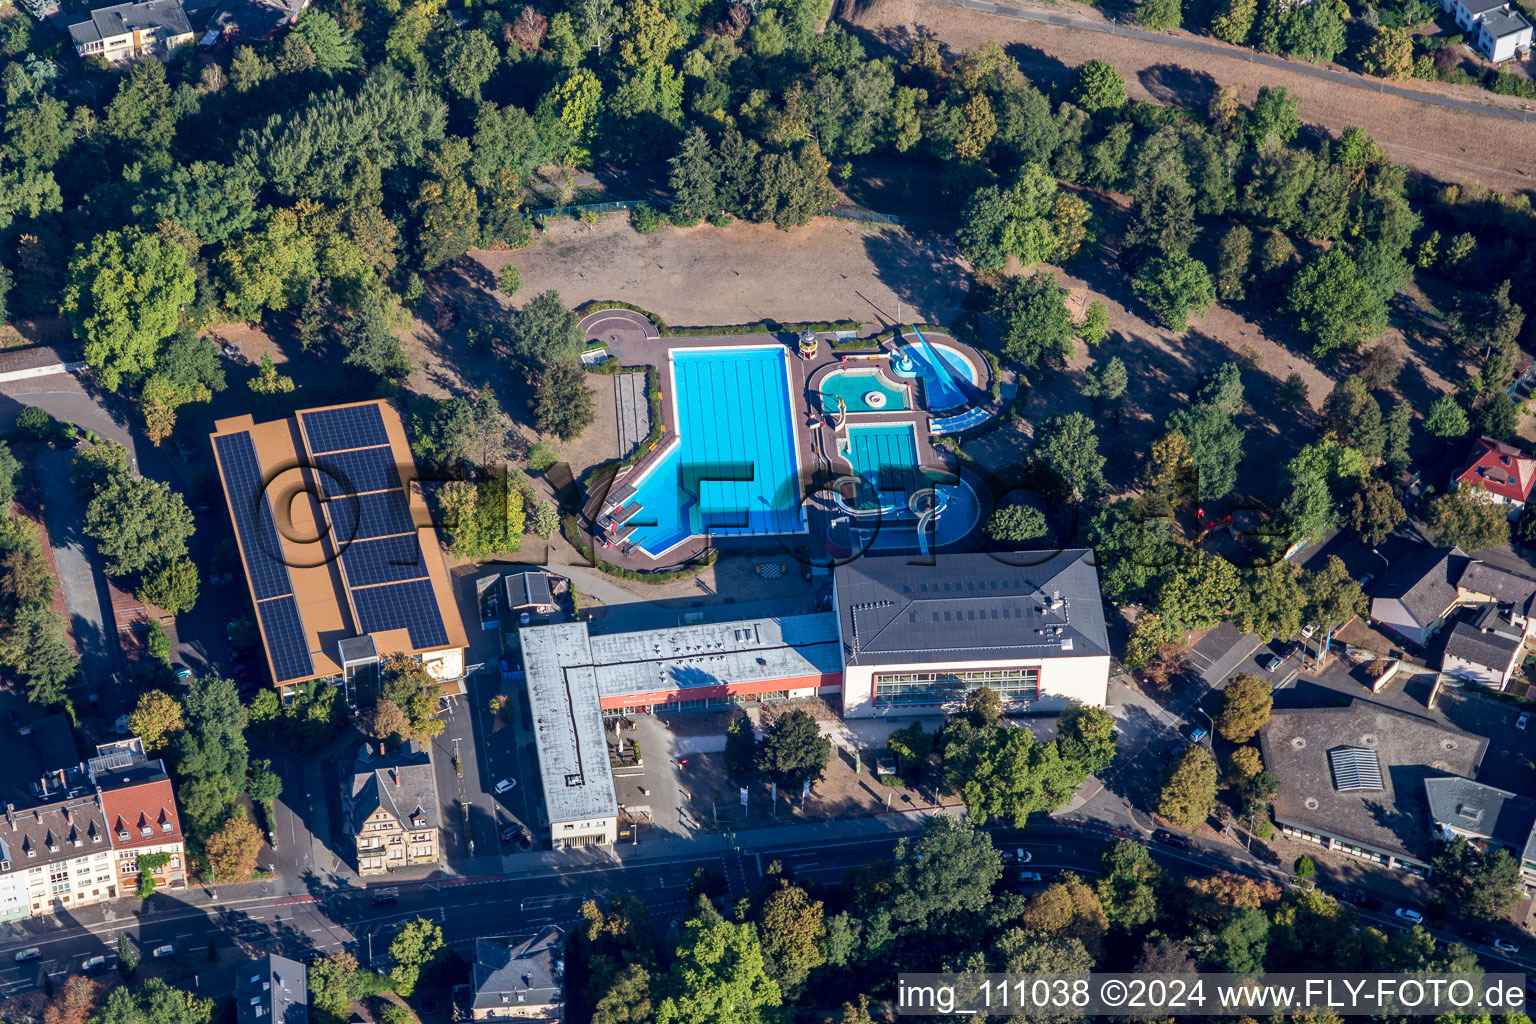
[381, 748]
[10, 811]
[396, 773]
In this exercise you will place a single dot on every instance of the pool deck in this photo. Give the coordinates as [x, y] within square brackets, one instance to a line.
[634, 341]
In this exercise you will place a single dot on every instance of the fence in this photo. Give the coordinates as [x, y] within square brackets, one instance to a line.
[581, 208]
[859, 213]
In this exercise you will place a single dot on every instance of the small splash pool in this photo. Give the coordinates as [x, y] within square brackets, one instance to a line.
[885, 459]
[940, 391]
[858, 390]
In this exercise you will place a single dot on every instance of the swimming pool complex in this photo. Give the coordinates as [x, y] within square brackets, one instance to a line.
[733, 468]
[918, 359]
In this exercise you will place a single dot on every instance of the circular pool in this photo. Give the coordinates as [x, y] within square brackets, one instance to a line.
[875, 399]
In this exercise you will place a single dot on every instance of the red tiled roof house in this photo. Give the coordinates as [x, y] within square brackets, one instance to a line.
[142, 817]
[1501, 470]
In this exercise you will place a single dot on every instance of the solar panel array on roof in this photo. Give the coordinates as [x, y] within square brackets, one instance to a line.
[336, 430]
[412, 606]
[386, 560]
[357, 472]
[284, 630]
[360, 517]
[1355, 768]
[252, 512]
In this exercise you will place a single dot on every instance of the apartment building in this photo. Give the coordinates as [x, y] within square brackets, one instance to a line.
[394, 810]
[146, 830]
[60, 854]
[153, 28]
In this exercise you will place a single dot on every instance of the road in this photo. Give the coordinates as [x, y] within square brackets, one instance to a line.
[468, 908]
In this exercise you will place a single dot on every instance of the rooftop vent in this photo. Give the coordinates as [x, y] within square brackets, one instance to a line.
[575, 779]
[1469, 813]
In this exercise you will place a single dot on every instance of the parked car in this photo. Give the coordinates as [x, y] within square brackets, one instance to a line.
[1198, 733]
[1366, 580]
[182, 672]
[1018, 855]
[389, 895]
[161, 952]
[92, 963]
[1504, 946]
[1175, 749]
[518, 836]
[309, 957]
[1271, 663]
[31, 953]
[506, 784]
[1031, 876]
[1307, 631]
[1408, 914]
[1369, 902]
[1523, 721]
[1168, 838]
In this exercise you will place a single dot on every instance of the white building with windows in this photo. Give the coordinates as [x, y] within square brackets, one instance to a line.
[61, 853]
[916, 637]
[1495, 27]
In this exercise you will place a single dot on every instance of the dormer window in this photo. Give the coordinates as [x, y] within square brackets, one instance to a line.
[122, 834]
[166, 826]
[146, 831]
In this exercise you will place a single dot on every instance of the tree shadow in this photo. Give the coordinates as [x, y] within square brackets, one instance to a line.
[1174, 86]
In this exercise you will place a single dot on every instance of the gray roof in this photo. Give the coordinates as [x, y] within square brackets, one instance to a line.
[272, 990]
[567, 721]
[716, 653]
[1504, 586]
[54, 832]
[107, 22]
[358, 650]
[1476, 7]
[973, 605]
[1480, 810]
[528, 587]
[1409, 749]
[1480, 647]
[1504, 23]
[1424, 582]
[401, 782]
[519, 969]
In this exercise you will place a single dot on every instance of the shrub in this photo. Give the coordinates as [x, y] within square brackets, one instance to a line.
[509, 280]
[646, 218]
[541, 456]
[35, 423]
[1304, 867]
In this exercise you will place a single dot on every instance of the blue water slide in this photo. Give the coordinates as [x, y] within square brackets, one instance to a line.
[945, 393]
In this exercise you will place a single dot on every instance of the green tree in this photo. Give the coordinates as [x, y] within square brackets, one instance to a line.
[268, 381]
[138, 523]
[332, 985]
[1128, 885]
[1215, 444]
[1446, 419]
[1484, 883]
[794, 934]
[470, 58]
[1107, 381]
[156, 719]
[545, 331]
[333, 48]
[1068, 447]
[740, 746]
[211, 755]
[417, 943]
[508, 280]
[1353, 418]
[149, 1001]
[1270, 603]
[948, 870]
[171, 586]
[1016, 524]
[562, 402]
[1188, 795]
[1388, 55]
[1399, 431]
[1234, 21]
[793, 750]
[1176, 287]
[33, 645]
[1313, 33]
[1095, 326]
[1087, 734]
[214, 201]
[1037, 326]
[1332, 304]
[1373, 511]
[407, 683]
[719, 973]
[124, 295]
[1159, 15]
[143, 114]
[1468, 518]
[1274, 116]
[1334, 597]
[1233, 263]
[694, 179]
[1245, 706]
[1098, 87]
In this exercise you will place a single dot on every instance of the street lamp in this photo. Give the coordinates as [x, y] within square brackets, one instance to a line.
[1209, 733]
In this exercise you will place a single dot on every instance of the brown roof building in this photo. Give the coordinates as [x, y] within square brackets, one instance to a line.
[339, 552]
[55, 857]
[141, 814]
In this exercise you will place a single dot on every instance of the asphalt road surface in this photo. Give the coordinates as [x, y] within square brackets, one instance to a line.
[352, 919]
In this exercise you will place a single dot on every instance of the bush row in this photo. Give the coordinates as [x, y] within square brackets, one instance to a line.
[570, 529]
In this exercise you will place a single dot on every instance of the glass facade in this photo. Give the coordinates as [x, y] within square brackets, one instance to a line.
[947, 687]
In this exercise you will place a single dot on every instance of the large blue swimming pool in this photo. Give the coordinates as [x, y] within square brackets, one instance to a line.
[733, 468]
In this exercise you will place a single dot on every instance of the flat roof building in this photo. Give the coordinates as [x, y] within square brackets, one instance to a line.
[337, 545]
[1354, 779]
[919, 636]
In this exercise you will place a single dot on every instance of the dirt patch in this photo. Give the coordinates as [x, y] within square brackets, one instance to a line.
[1444, 143]
[827, 270]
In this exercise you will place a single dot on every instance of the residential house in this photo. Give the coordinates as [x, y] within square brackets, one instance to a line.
[272, 990]
[62, 851]
[152, 28]
[1418, 592]
[146, 829]
[1501, 470]
[1486, 650]
[1495, 28]
[1487, 816]
[251, 21]
[395, 815]
[519, 977]
[1514, 594]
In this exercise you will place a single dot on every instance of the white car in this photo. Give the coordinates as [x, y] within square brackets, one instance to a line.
[28, 954]
[506, 784]
[93, 963]
[1505, 947]
[161, 952]
[1018, 856]
[1408, 914]
[1523, 720]
[1030, 876]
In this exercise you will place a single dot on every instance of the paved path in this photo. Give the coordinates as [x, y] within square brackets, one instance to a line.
[1197, 45]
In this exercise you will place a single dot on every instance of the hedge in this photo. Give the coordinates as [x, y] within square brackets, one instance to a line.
[570, 529]
[760, 327]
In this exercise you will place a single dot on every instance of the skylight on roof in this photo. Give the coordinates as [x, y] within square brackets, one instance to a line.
[1355, 768]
